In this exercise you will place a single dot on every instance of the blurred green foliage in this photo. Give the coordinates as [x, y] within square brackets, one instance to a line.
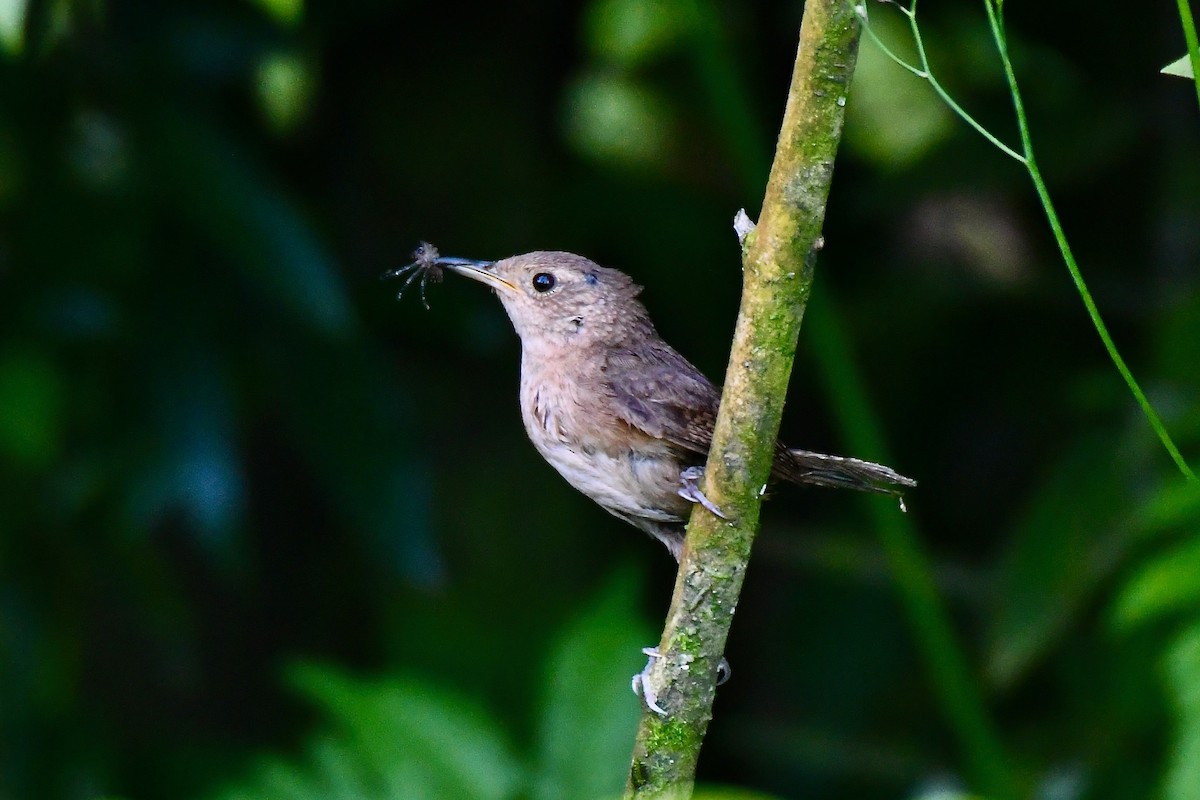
[228, 456]
[411, 739]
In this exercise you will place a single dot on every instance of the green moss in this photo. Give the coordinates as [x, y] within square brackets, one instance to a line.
[672, 736]
[687, 642]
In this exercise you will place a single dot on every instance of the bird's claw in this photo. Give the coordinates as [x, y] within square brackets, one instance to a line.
[641, 683]
[724, 671]
[643, 688]
[689, 489]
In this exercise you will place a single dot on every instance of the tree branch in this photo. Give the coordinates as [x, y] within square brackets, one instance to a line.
[778, 259]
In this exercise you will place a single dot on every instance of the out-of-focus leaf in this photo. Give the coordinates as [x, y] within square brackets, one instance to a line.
[278, 779]
[1167, 584]
[892, 118]
[31, 408]
[729, 793]
[944, 794]
[1181, 67]
[1063, 546]
[193, 465]
[630, 32]
[285, 87]
[590, 716]
[400, 728]
[12, 25]
[232, 201]
[285, 12]
[614, 119]
[1063, 782]
[335, 773]
[342, 775]
[392, 739]
[1183, 680]
[1172, 506]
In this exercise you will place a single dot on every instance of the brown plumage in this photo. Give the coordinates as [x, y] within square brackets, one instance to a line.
[615, 409]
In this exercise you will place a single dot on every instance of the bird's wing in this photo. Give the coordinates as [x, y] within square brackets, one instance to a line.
[660, 393]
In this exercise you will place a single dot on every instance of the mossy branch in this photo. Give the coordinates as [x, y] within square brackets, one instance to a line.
[778, 259]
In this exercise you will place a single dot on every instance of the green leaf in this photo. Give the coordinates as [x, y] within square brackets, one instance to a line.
[589, 715]
[615, 119]
[1183, 680]
[390, 739]
[284, 12]
[631, 32]
[1167, 584]
[12, 25]
[1180, 67]
[1057, 559]
[729, 793]
[285, 90]
[1173, 506]
[405, 730]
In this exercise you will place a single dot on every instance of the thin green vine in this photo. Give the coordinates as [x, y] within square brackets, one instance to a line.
[925, 73]
[996, 21]
[1193, 44]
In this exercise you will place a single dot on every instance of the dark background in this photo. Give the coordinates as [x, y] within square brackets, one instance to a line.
[266, 532]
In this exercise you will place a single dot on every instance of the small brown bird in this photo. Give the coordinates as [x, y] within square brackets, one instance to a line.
[616, 410]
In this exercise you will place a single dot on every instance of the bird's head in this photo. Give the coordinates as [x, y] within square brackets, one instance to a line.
[558, 299]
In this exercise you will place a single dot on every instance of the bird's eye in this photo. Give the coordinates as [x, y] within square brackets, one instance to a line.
[543, 282]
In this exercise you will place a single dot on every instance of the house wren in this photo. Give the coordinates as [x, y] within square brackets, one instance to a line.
[616, 410]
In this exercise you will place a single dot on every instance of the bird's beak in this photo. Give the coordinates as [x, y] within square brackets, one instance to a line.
[477, 270]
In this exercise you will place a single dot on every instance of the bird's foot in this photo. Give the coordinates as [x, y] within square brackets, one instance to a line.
[643, 688]
[641, 683]
[724, 671]
[689, 489]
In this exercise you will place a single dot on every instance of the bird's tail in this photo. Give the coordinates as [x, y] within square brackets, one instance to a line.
[818, 469]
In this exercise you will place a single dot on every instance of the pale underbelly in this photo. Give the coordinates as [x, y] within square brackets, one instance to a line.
[644, 486]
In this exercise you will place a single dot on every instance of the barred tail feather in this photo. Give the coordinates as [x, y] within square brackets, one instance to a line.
[818, 469]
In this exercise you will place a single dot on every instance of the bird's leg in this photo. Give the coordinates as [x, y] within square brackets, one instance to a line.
[689, 489]
[641, 683]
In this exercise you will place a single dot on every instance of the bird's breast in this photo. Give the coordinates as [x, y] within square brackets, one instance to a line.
[619, 467]
[559, 413]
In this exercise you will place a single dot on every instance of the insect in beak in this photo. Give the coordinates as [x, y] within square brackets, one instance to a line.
[428, 265]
